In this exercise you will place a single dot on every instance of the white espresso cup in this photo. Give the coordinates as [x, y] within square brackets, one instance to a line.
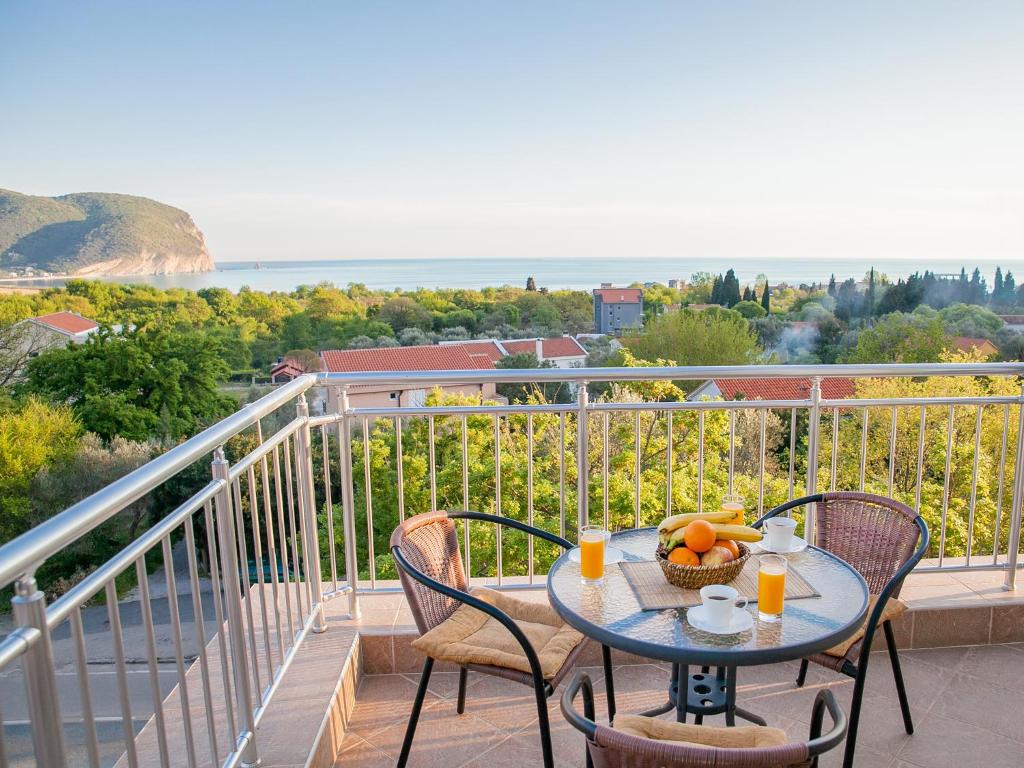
[719, 601]
[781, 531]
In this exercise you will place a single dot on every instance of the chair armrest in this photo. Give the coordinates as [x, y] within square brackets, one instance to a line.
[480, 605]
[793, 504]
[818, 744]
[584, 723]
[510, 523]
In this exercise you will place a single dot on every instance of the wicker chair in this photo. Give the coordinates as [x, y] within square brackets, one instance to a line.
[426, 551]
[696, 746]
[883, 539]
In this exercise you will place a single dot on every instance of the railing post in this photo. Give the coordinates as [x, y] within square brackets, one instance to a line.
[813, 435]
[582, 459]
[1013, 545]
[227, 546]
[307, 509]
[339, 404]
[29, 605]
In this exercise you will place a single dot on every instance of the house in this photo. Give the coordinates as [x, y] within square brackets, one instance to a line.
[285, 370]
[971, 343]
[432, 357]
[561, 351]
[772, 388]
[32, 337]
[616, 309]
[1013, 322]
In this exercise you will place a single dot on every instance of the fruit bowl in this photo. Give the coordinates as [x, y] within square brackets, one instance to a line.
[697, 576]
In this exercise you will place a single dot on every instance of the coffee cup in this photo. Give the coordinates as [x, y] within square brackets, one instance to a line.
[719, 600]
[780, 533]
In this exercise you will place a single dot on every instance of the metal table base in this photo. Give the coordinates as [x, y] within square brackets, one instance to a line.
[705, 694]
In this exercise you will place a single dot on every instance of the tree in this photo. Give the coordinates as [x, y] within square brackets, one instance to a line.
[305, 359]
[711, 337]
[730, 289]
[402, 312]
[749, 309]
[969, 320]
[900, 338]
[766, 298]
[19, 343]
[717, 296]
[832, 286]
[143, 384]
[869, 298]
[555, 392]
[539, 312]
[531, 284]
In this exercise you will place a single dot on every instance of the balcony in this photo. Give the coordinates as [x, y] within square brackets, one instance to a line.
[260, 618]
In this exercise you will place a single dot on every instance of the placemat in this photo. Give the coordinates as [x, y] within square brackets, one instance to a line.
[656, 594]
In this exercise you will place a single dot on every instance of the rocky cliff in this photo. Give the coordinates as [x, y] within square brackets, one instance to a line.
[98, 234]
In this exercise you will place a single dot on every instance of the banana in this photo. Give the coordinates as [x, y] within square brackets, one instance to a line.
[736, 532]
[675, 522]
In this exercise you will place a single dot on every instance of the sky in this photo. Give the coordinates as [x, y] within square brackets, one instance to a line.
[487, 130]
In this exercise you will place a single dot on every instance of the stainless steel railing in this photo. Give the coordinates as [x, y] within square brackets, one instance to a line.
[302, 516]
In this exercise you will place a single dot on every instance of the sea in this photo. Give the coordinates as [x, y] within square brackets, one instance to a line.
[552, 273]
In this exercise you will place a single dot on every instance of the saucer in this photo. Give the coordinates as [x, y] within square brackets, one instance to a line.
[741, 620]
[799, 545]
[611, 555]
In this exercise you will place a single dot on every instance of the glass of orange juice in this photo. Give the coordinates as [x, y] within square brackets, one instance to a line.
[733, 502]
[592, 544]
[771, 586]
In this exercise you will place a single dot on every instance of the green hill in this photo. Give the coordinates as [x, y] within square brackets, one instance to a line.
[97, 233]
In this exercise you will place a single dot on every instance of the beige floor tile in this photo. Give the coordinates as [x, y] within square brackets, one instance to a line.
[940, 742]
[382, 701]
[357, 753]
[997, 663]
[987, 706]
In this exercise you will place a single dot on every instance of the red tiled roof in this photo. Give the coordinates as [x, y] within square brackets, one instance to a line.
[619, 295]
[68, 322]
[782, 389]
[562, 346]
[486, 347]
[286, 368]
[968, 343]
[445, 357]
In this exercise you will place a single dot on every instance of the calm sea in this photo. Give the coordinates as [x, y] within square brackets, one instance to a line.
[552, 273]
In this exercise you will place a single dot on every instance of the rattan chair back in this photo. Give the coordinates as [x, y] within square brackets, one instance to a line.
[430, 543]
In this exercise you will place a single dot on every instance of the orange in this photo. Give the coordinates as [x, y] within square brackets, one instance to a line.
[699, 536]
[683, 556]
[730, 545]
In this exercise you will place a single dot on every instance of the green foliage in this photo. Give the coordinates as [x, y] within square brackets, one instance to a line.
[712, 337]
[750, 309]
[900, 338]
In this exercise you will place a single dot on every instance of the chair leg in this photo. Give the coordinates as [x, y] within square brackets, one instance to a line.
[851, 731]
[414, 716]
[803, 674]
[545, 727]
[897, 673]
[609, 682]
[463, 674]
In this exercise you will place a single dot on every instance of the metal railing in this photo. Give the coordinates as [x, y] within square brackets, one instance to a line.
[303, 515]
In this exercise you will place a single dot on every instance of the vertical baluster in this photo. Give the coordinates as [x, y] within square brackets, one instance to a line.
[254, 515]
[329, 505]
[668, 463]
[835, 448]
[529, 494]
[892, 452]
[433, 463]
[636, 471]
[368, 496]
[700, 461]
[286, 565]
[974, 484]
[604, 466]
[813, 435]
[343, 408]
[760, 472]
[997, 533]
[307, 508]
[945, 485]
[154, 674]
[268, 523]
[732, 449]
[920, 458]
[863, 449]
[582, 459]
[84, 690]
[301, 607]
[199, 626]
[219, 615]
[792, 452]
[117, 640]
[179, 655]
[1013, 544]
[243, 567]
[465, 494]
[497, 496]
[400, 467]
[561, 475]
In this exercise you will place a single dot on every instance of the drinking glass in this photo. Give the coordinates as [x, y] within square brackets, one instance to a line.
[733, 502]
[592, 545]
[771, 586]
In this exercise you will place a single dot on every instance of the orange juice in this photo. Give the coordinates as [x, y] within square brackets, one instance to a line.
[771, 587]
[592, 555]
[736, 507]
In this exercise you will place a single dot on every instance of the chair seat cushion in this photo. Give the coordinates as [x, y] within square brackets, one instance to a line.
[470, 636]
[892, 609]
[747, 736]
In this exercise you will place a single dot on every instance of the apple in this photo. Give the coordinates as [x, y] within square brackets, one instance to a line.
[717, 555]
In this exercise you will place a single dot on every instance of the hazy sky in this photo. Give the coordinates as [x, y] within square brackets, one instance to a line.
[498, 130]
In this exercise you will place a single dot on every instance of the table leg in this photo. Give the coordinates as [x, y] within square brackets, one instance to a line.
[682, 691]
[730, 695]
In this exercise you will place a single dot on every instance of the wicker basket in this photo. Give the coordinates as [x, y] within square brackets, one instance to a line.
[697, 576]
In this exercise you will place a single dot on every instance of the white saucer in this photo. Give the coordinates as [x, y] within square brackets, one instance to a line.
[741, 620]
[799, 545]
[611, 555]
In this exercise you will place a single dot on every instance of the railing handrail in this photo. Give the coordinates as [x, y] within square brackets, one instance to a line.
[677, 373]
[24, 554]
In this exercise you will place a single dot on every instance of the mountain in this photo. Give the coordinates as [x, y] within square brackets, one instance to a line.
[95, 233]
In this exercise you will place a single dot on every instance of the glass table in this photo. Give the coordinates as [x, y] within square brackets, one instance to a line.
[610, 614]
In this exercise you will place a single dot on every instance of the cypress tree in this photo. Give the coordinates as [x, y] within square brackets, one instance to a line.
[766, 298]
[832, 286]
[716, 291]
[731, 289]
[997, 287]
[531, 284]
[869, 302]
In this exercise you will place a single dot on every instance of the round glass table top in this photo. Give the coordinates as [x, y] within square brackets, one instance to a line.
[610, 613]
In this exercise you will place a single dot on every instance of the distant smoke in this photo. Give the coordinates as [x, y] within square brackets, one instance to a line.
[796, 342]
